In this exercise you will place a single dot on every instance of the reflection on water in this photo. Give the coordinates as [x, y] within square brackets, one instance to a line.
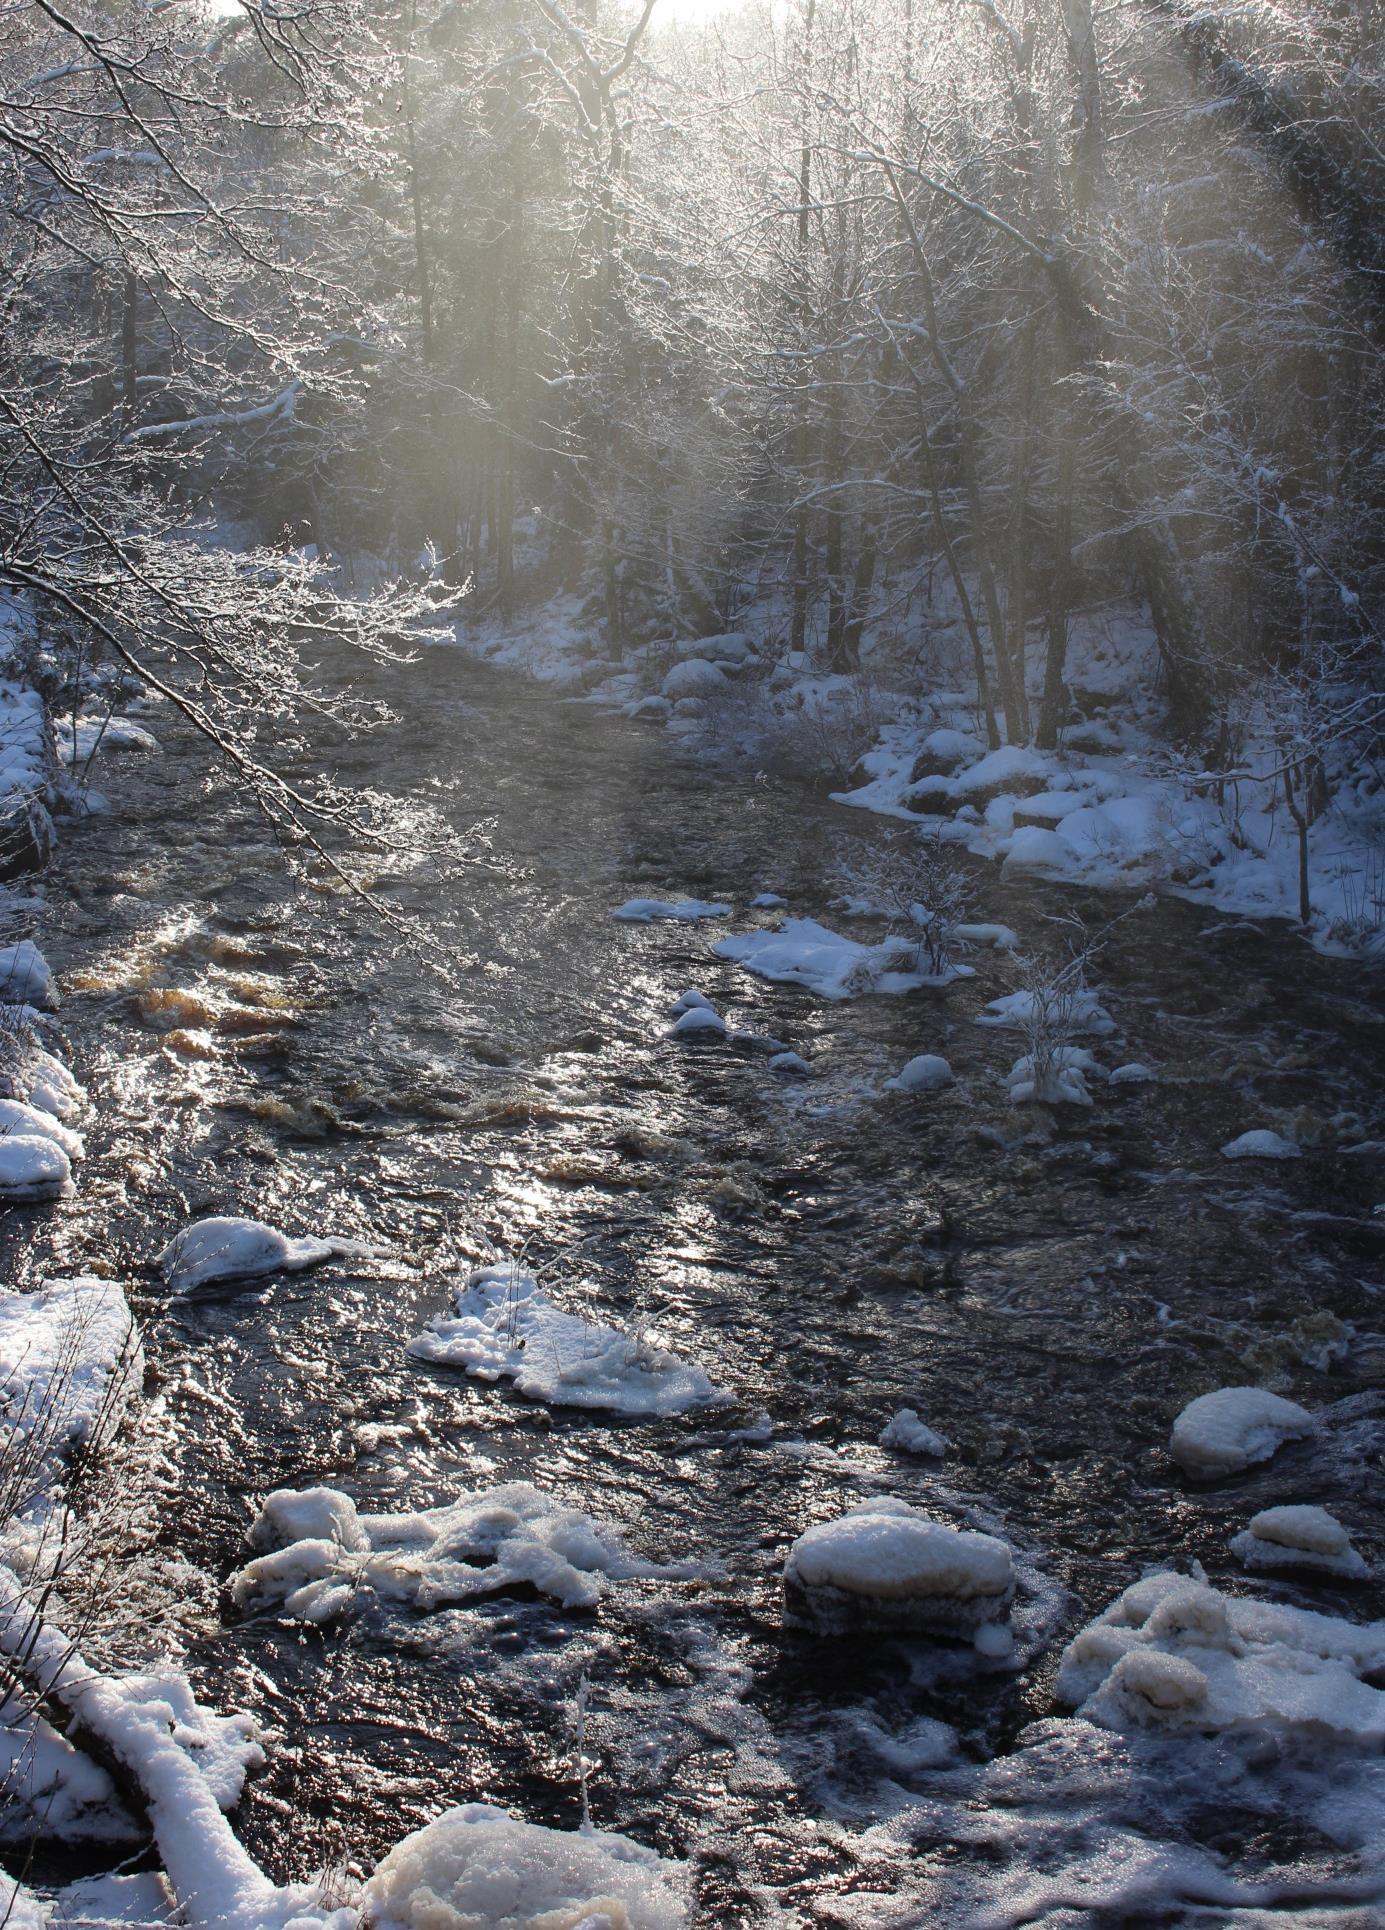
[1047, 1295]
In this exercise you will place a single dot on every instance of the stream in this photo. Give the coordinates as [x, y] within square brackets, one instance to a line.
[1046, 1290]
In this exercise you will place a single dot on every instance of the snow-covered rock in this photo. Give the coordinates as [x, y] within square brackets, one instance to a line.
[1172, 1653]
[232, 1249]
[476, 1868]
[698, 1022]
[506, 1328]
[1222, 1432]
[768, 901]
[790, 1064]
[31, 1073]
[886, 1566]
[803, 952]
[684, 911]
[324, 1558]
[911, 1435]
[1261, 1144]
[1133, 1074]
[1298, 1536]
[33, 1167]
[694, 677]
[82, 738]
[26, 978]
[926, 1073]
[37, 1122]
[687, 1001]
[1061, 1081]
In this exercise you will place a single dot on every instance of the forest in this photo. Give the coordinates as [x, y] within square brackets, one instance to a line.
[692, 884]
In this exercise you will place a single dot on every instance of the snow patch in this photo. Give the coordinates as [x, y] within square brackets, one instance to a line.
[884, 1565]
[1225, 1431]
[231, 1249]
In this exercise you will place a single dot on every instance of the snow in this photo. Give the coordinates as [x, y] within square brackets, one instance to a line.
[803, 952]
[1298, 1536]
[1133, 1074]
[1061, 1082]
[686, 1001]
[699, 1021]
[1076, 1012]
[35, 1122]
[67, 1353]
[685, 911]
[694, 677]
[506, 1327]
[29, 1072]
[26, 978]
[768, 901]
[1225, 1431]
[88, 735]
[52, 1790]
[885, 1565]
[32, 1167]
[1174, 1654]
[926, 1073]
[1261, 1144]
[477, 1868]
[911, 1435]
[232, 1249]
[325, 1558]
[790, 1064]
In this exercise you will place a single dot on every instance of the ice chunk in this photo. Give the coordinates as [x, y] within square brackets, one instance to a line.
[911, 1435]
[885, 1565]
[326, 1558]
[1298, 1537]
[1225, 1431]
[926, 1073]
[33, 1167]
[1261, 1144]
[25, 975]
[1175, 1654]
[803, 952]
[476, 1868]
[230, 1249]
[1075, 1012]
[506, 1327]
[684, 911]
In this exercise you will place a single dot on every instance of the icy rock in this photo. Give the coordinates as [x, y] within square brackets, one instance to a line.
[944, 751]
[477, 1868]
[886, 1566]
[1077, 1013]
[1175, 1654]
[699, 1021]
[16, 1118]
[690, 1000]
[1225, 1431]
[926, 1073]
[1133, 1074]
[1261, 1144]
[1063, 1082]
[33, 1167]
[768, 901]
[1298, 1536]
[695, 677]
[231, 1249]
[649, 911]
[790, 1064]
[30, 1073]
[325, 1558]
[506, 1327]
[26, 977]
[911, 1435]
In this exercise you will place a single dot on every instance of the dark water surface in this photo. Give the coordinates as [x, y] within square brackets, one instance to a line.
[1047, 1297]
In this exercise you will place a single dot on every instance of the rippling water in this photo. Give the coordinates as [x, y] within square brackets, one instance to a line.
[1047, 1297]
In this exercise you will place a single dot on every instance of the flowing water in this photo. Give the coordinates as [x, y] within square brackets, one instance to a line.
[1046, 1295]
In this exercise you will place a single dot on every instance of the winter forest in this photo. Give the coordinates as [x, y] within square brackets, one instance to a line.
[692, 902]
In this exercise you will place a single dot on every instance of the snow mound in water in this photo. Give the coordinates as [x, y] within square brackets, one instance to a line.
[803, 952]
[926, 1073]
[1133, 1074]
[1073, 1013]
[1261, 1144]
[26, 978]
[1223, 1432]
[791, 1064]
[911, 1435]
[230, 1249]
[476, 1868]
[884, 1565]
[689, 1001]
[35, 1122]
[506, 1328]
[1174, 1653]
[699, 1021]
[1298, 1537]
[1062, 1082]
[32, 1167]
[325, 1557]
[32, 1075]
[649, 911]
